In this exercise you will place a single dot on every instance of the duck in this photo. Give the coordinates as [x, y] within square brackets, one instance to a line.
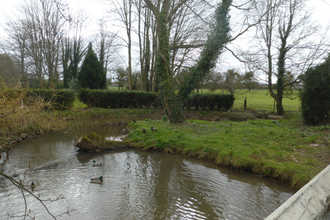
[96, 164]
[33, 185]
[153, 128]
[144, 130]
[97, 180]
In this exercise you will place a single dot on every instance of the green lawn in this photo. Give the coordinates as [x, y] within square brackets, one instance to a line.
[259, 99]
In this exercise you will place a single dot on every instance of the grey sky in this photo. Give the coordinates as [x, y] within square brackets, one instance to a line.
[95, 9]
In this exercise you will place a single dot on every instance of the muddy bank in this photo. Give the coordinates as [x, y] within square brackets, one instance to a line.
[7, 142]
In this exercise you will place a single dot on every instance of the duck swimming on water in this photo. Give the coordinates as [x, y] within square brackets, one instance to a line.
[96, 164]
[97, 180]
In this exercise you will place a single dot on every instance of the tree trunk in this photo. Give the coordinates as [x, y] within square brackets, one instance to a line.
[130, 46]
[172, 104]
[51, 78]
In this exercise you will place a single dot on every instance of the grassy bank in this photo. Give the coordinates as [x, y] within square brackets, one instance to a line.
[283, 149]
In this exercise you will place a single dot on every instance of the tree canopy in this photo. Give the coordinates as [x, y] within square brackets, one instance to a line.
[315, 98]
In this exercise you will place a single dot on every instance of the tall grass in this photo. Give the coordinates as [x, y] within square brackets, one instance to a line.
[22, 114]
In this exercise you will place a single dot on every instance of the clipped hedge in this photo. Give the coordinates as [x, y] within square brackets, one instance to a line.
[134, 99]
[118, 99]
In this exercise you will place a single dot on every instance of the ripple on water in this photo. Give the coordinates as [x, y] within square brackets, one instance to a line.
[137, 185]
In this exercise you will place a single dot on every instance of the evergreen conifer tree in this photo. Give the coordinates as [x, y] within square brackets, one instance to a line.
[92, 73]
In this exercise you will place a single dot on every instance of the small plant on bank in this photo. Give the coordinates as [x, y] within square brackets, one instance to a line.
[165, 118]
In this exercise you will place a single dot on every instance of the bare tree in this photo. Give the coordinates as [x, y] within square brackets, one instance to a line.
[215, 80]
[144, 27]
[249, 81]
[286, 41]
[36, 39]
[123, 9]
[120, 77]
[106, 45]
[14, 46]
[9, 72]
[73, 49]
[232, 81]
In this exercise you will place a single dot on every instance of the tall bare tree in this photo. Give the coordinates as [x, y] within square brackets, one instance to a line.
[287, 42]
[106, 45]
[38, 32]
[143, 31]
[14, 46]
[73, 49]
[123, 9]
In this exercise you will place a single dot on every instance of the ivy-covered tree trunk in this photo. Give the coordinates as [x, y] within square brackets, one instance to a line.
[173, 103]
[280, 80]
[211, 51]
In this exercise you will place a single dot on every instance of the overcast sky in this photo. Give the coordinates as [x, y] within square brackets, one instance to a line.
[95, 9]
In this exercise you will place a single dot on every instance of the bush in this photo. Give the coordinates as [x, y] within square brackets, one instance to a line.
[57, 99]
[315, 98]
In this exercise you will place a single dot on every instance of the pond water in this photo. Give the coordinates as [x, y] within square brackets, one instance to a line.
[137, 185]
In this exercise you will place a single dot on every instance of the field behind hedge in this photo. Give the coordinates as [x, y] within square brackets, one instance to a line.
[259, 99]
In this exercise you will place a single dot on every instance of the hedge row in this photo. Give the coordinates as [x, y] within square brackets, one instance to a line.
[57, 99]
[126, 99]
[118, 99]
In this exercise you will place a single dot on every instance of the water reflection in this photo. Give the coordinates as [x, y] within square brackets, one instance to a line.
[137, 185]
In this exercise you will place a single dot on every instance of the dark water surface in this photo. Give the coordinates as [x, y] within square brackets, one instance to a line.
[137, 185]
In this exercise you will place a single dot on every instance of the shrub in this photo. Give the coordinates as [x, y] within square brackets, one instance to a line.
[57, 99]
[315, 98]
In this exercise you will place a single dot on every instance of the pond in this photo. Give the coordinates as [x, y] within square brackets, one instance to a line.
[137, 185]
